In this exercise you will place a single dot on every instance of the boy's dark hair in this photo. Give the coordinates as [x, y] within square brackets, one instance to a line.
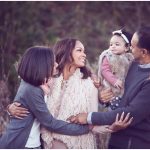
[36, 65]
[144, 37]
[63, 52]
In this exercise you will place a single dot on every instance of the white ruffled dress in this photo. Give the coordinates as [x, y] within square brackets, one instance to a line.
[68, 98]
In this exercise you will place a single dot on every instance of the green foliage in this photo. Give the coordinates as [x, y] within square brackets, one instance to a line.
[24, 24]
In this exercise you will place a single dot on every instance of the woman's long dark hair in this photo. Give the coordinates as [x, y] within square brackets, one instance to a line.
[63, 53]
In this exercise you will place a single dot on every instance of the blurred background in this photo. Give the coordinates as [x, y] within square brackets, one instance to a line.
[24, 24]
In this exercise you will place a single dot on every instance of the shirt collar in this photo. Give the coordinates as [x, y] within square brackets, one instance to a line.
[145, 66]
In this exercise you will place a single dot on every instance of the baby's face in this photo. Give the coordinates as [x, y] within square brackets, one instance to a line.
[117, 45]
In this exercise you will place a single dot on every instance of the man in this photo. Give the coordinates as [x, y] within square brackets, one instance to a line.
[136, 99]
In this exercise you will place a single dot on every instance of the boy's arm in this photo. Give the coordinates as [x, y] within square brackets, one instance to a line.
[37, 106]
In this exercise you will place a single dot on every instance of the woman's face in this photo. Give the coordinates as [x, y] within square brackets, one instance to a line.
[117, 45]
[78, 54]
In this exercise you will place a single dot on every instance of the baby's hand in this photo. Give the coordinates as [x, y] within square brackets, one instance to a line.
[119, 84]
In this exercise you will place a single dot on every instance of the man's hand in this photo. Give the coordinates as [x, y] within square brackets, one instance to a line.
[106, 95]
[119, 84]
[80, 118]
[16, 111]
[121, 123]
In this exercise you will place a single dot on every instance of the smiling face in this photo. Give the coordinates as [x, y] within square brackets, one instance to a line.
[136, 51]
[117, 45]
[78, 55]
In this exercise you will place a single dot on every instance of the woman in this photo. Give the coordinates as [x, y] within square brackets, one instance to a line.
[72, 92]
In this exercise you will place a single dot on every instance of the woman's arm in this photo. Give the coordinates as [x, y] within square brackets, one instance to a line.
[37, 106]
[17, 111]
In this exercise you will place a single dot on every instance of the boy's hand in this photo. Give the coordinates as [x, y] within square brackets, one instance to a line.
[80, 118]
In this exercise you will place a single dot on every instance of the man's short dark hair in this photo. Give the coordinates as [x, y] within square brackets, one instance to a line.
[144, 37]
[36, 65]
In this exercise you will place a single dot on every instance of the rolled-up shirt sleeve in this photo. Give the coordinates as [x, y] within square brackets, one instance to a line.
[89, 120]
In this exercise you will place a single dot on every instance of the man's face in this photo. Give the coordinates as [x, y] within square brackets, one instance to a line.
[136, 51]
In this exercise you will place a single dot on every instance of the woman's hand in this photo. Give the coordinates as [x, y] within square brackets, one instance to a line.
[121, 123]
[103, 129]
[16, 111]
[106, 95]
[96, 80]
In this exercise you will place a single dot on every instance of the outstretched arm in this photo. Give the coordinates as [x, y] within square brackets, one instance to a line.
[38, 107]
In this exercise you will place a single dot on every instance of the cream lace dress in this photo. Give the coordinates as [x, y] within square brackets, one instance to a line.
[70, 98]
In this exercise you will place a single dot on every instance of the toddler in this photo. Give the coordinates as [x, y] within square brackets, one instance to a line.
[114, 64]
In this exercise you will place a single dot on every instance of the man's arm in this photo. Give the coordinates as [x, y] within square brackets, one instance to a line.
[38, 107]
[138, 108]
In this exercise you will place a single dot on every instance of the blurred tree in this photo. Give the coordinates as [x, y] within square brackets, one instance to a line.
[4, 101]
[27, 23]
[24, 24]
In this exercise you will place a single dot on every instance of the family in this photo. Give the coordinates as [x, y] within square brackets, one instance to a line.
[56, 105]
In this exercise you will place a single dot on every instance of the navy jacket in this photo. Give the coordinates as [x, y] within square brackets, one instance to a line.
[18, 130]
[136, 100]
